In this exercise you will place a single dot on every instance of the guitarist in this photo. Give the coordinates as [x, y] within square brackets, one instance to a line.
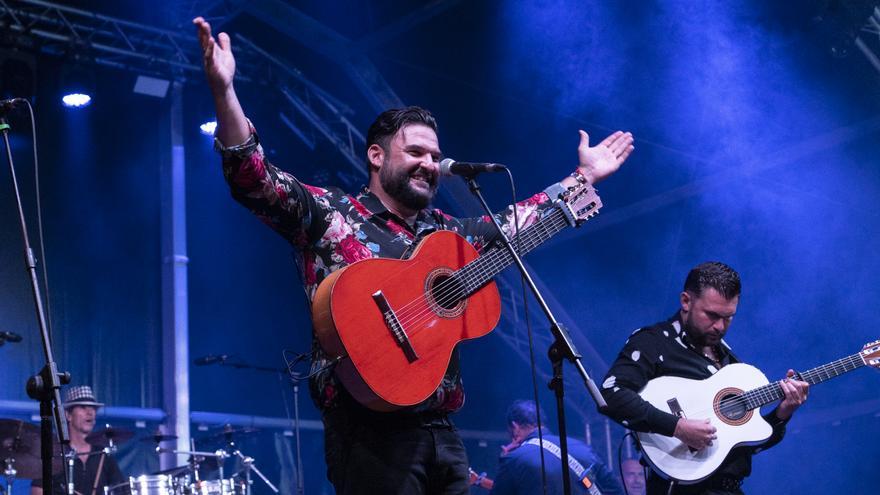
[411, 451]
[690, 345]
[519, 471]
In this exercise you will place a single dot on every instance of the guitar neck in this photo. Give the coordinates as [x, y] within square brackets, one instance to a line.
[478, 272]
[773, 391]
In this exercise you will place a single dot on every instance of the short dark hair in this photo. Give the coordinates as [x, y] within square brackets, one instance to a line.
[716, 275]
[524, 413]
[390, 121]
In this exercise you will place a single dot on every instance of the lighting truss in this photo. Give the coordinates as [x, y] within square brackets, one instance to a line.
[868, 40]
[94, 38]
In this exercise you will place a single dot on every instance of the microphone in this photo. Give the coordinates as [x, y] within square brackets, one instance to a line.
[448, 166]
[210, 359]
[7, 106]
[10, 337]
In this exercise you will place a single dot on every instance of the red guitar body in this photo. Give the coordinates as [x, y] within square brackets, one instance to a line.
[376, 368]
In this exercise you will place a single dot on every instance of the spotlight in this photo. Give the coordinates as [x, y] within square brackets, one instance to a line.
[76, 100]
[77, 86]
[208, 128]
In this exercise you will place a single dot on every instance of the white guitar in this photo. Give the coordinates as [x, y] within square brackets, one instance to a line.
[730, 400]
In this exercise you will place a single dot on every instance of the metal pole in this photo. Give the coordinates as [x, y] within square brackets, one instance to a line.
[175, 324]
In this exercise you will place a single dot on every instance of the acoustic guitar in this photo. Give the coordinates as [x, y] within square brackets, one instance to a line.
[392, 324]
[730, 400]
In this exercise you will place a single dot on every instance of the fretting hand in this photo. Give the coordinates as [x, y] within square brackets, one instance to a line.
[795, 392]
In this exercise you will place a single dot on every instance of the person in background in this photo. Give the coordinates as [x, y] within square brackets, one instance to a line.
[93, 469]
[633, 477]
[519, 470]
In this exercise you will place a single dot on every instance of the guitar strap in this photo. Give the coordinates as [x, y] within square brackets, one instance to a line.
[576, 467]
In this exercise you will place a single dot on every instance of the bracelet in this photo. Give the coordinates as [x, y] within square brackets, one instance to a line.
[578, 176]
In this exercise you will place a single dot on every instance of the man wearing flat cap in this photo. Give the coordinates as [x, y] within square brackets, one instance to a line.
[93, 469]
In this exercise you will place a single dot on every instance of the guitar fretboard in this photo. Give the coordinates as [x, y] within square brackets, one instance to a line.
[771, 392]
[478, 272]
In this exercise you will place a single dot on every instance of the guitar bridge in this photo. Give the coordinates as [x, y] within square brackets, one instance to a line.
[395, 327]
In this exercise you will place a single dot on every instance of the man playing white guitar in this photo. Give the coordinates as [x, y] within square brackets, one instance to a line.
[690, 345]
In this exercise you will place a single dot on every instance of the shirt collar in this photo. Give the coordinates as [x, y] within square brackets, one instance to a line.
[722, 348]
[425, 220]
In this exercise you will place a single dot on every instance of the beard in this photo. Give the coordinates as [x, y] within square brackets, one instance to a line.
[700, 338]
[397, 184]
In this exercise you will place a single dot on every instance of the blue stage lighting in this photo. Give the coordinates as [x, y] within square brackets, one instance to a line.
[208, 128]
[76, 100]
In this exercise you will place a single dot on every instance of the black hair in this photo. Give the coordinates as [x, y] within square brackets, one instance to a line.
[524, 413]
[716, 275]
[390, 121]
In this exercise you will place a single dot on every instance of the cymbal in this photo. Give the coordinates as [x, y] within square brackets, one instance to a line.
[159, 438]
[18, 437]
[229, 431]
[104, 435]
[20, 441]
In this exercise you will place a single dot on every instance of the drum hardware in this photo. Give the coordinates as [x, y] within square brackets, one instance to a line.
[20, 452]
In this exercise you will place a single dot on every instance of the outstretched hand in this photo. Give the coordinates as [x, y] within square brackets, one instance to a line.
[598, 162]
[218, 60]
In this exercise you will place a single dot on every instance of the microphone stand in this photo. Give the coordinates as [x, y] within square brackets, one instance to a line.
[563, 347]
[46, 385]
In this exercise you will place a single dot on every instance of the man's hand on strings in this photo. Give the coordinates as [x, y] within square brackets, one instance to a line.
[795, 392]
[695, 433]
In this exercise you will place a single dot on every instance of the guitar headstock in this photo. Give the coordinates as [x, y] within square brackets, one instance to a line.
[581, 201]
[871, 354]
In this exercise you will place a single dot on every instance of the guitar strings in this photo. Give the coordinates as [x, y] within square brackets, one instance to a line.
[450, 290]
[770, 392]
[446, 291]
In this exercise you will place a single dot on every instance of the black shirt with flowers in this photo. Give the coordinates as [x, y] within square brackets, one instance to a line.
[331, 229]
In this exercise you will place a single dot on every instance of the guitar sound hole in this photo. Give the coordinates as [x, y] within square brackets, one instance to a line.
[446, 291]
[733, 407]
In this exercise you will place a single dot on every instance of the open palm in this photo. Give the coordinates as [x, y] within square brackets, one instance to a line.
[600, 161]
[217, 56]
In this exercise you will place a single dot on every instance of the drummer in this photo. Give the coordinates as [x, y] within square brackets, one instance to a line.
[93, 469]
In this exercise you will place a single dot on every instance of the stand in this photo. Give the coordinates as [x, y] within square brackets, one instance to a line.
[562, 347]
[249, 461]
[45, 386]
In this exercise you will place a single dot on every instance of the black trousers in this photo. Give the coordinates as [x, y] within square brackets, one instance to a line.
[370, 453]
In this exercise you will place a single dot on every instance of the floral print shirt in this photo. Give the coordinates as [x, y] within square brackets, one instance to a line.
[330, 229]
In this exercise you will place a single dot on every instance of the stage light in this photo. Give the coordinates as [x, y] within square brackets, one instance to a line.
[76, 100]
[208, 128]
[77, 86]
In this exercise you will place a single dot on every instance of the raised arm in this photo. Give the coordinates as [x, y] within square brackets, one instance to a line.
[219, 63]
[597, 163]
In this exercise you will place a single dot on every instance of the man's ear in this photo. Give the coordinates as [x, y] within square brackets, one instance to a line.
[376, 156]
[686, 300]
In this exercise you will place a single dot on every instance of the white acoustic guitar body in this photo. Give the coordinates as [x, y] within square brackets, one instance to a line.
[704, 399]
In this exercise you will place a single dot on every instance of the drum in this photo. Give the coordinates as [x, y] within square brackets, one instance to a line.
[215, 487]
[146, 484]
